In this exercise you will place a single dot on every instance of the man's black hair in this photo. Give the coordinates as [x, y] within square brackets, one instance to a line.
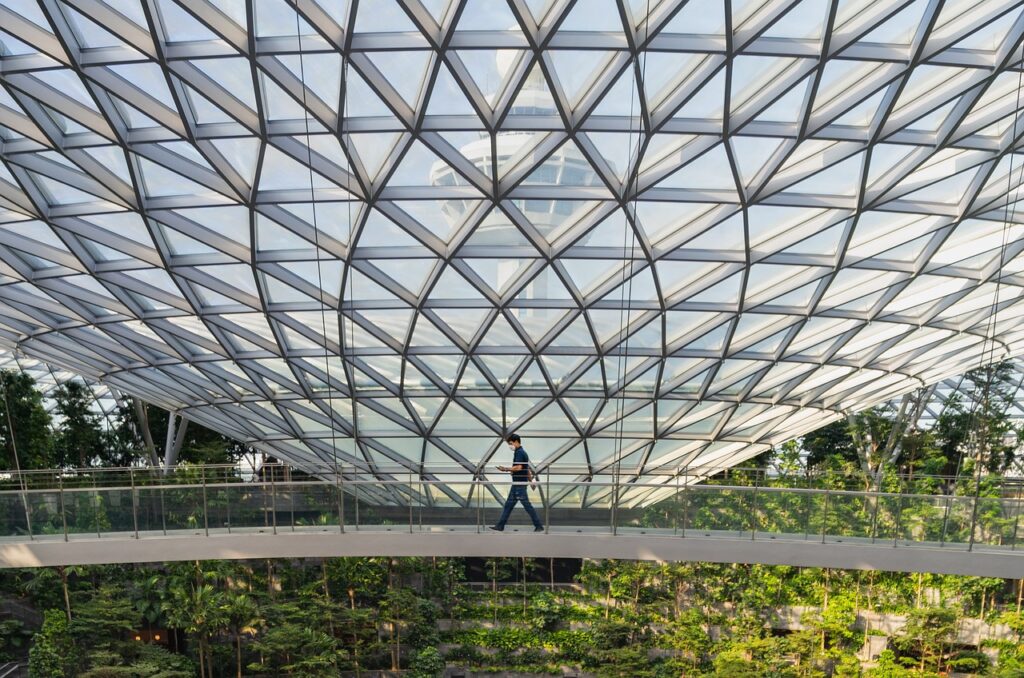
[512, 438]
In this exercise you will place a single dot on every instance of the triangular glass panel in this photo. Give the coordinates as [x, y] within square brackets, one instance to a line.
[405, 72]
[712, 170]
[420, 166]
[446, 97]
[409, 273]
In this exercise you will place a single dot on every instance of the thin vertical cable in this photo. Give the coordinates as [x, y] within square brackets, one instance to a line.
[316, 239]
[626, 296]
[988, 349]
[989, 340]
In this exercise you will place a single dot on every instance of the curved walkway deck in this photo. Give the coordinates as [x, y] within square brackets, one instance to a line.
[182, 519]
[559, 542]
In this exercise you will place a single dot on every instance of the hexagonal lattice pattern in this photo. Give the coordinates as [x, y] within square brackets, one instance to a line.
[666, 232]
[105, 400]
[1010, 399]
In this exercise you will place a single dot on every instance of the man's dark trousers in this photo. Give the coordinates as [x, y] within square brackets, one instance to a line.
[518, 493]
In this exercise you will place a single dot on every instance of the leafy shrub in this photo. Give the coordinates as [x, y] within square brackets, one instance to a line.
[464, 654]
[969, 662]
[427, 663]
[572, 645]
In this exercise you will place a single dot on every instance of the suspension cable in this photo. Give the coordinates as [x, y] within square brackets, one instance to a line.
[1009, 216]
[626, 295]
[989, 339]
[316, 234]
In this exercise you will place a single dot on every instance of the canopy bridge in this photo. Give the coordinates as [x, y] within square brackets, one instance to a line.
[146, 516]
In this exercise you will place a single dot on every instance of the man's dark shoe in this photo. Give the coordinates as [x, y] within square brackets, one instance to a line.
[495, 528]
[539, 528]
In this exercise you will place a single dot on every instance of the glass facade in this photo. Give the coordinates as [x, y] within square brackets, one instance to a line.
[654, 235]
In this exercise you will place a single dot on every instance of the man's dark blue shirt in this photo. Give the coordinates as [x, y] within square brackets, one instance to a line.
[520, 459]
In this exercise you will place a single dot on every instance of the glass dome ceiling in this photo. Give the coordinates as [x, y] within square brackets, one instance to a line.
[1007, 394]
[104, 400]
[670, 233]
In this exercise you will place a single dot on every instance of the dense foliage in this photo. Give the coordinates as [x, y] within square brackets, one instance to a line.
[319, 618]
[72, 434]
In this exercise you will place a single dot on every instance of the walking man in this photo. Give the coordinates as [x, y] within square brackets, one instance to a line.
[520, 470]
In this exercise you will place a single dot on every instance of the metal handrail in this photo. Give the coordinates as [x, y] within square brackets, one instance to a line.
[315, 482]
[445, 468]
[681, 510]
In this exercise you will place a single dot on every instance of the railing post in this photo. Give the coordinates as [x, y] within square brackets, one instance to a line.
[675, 513]
[547, 500]
[1016, 521]
[478, 489]
[357, 502]
[945, 520]
[807, 511]
[410, 500]
[686, 503]
[899, 519]
[974, 515]
[206, 504]
[63, 509]
[135, 503]
[96, 506]
[874, 511]
[341, 500]
[273, 501]
[163, 508]
[615, 504]
[227, 504]
[291, 496]
[753, 516]
[824, 518]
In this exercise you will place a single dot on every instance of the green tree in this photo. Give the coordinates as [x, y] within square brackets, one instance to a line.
[53, 653]
[980, 428]
[928, 634]
[199, 610]
[426, 663]
[24, 423]
[79, 437]
[835, 623]
[833, 439]
[243, 616]
[889, 667]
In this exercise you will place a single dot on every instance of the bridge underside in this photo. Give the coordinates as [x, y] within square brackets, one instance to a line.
[563, 542]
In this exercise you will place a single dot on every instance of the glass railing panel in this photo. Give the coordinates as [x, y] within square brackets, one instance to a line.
[954, 521]
[377, 505]
[997, 519]
[815, 514]
[719, 511]
[181, 507]
[921, 519]
[439, 506]
[239, 507]
[258, 506]
[492, 496]
[45, 512]
[13, 520]
[567, 506]
[849, 516]
[115, 511]
[781, 511]
[80, 508]
[305, 505]
[651, 508]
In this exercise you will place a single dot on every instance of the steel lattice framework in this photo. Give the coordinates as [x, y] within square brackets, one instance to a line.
[47, 378]
[669, 233]
[970, 394]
